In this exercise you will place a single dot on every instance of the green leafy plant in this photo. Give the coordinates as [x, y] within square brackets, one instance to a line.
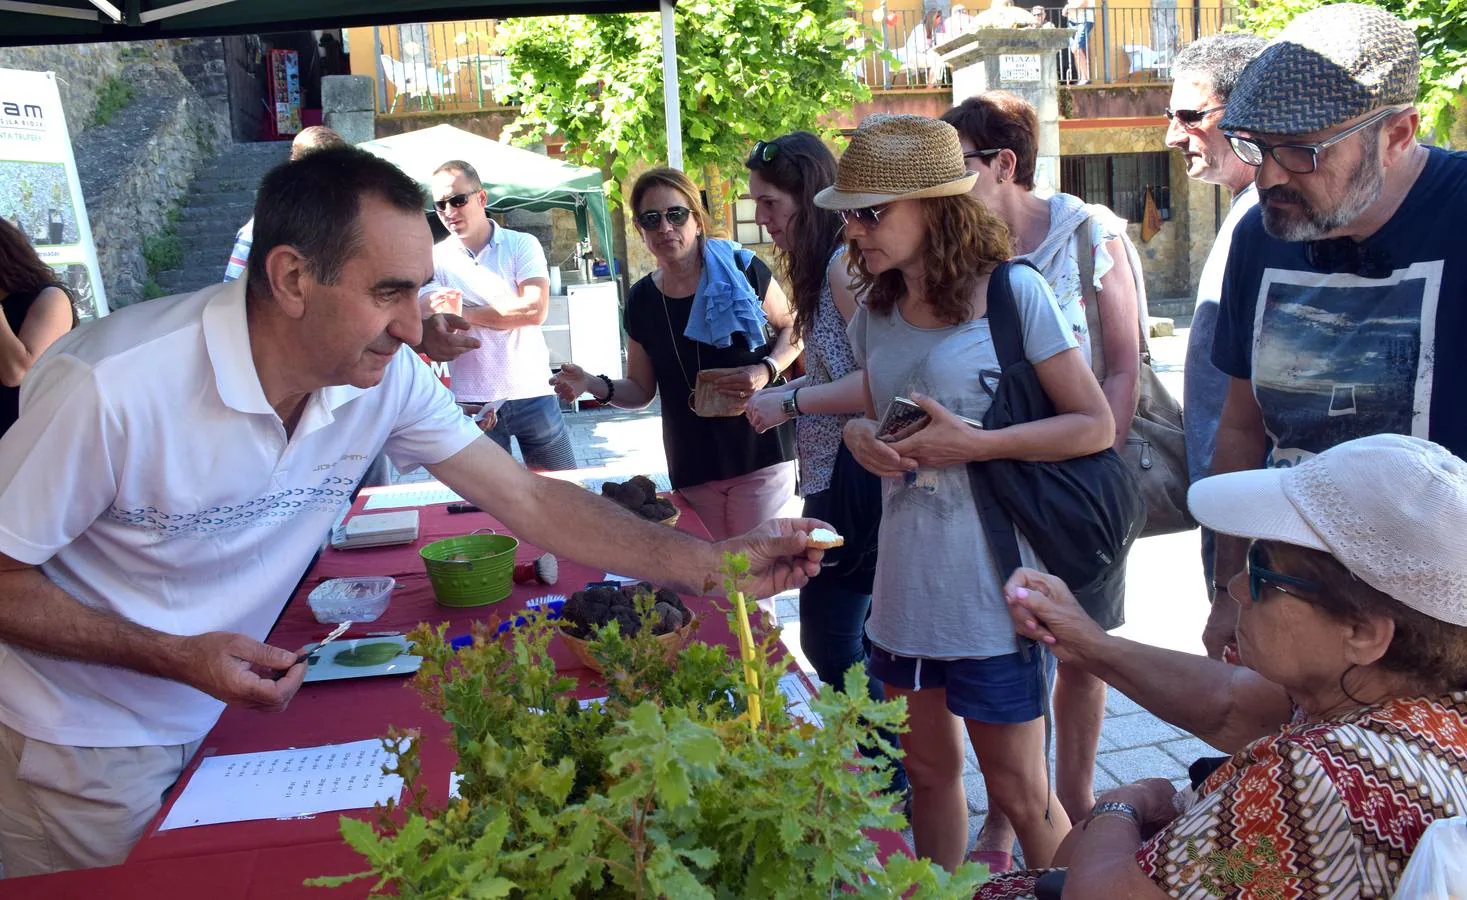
[112, 96]
[747, 70]
[668, 789]
[161, 252]
[1441, 28]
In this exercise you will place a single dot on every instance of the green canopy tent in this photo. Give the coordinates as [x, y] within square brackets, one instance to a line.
[513, 178]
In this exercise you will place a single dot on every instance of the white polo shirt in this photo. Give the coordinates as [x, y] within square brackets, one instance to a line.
[509, 365]
[149, 477]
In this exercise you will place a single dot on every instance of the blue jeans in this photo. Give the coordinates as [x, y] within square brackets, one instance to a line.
[537, 424]
[833, 638]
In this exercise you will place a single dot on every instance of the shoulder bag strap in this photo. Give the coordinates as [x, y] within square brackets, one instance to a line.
[1090, 297]
[1003, 315]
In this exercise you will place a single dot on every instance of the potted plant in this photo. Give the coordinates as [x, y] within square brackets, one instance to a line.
[670, 788]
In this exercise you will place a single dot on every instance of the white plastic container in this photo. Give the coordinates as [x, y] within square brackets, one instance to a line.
[355, 599]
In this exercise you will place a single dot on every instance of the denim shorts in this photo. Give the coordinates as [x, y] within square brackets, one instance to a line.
[998, 690]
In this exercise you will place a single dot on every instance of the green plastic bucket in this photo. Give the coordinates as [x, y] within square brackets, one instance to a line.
[472, 570]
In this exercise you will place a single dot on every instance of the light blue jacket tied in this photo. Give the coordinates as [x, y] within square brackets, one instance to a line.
[725, 304]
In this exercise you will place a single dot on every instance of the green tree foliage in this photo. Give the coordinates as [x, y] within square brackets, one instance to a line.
[747, 70]
[1441, 28]
[667, 790]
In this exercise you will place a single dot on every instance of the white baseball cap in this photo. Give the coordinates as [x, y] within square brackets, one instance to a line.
[1392, 509]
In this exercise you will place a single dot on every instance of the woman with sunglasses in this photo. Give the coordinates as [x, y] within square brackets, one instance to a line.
[1071, 243]
[709, 305]
[923, 251]
[38, 310]
[784, 175]
[1347, 721]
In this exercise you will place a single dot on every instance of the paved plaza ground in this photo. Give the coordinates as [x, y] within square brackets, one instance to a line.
[1165, 601]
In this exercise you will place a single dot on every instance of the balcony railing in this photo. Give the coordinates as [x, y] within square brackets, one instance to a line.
[438, 67]
[1124, 44]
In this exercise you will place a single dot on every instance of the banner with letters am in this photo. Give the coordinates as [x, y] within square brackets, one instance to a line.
[39, 190]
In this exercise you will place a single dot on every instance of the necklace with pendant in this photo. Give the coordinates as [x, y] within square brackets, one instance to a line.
[667, 316]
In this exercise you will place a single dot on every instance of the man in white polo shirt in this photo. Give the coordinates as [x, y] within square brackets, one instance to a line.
[501, 278]
[175, 467]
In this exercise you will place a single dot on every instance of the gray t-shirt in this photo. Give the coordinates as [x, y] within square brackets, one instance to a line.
[938, 592]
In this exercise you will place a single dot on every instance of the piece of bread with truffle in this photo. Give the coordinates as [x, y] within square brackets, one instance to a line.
[825, 539]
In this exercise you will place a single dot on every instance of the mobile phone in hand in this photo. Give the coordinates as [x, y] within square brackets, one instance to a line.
[903, 419]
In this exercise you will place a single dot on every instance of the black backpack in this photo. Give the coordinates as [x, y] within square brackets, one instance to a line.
[1080, 515]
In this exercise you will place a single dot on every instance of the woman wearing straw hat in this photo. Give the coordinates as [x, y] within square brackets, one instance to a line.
[708, 305]
[784, 175]
[999, 132]
[1347, 722]
[923, 250]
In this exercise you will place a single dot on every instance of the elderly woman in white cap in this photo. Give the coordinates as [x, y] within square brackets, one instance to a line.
[1347, 723]
[922, 252]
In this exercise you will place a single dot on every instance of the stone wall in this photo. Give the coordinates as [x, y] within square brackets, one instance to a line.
[1167, 260]
[81, 70]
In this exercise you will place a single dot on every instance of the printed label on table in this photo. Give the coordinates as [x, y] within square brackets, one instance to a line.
[281, 784]
[1017, 67]
[402, 496]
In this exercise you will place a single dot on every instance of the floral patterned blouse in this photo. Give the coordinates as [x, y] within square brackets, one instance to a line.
[828, 358]
[1322, 809]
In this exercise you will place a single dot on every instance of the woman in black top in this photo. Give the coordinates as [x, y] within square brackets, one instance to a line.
[37, 312]
[734, 477]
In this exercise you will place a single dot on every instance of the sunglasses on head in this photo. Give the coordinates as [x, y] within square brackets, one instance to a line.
[457, 201]
[867, 216]
[1260, 577]
[651, 219]
[763, 153]
[1191, 116]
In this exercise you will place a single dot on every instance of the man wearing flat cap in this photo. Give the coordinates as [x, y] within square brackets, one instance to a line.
[1344, 282]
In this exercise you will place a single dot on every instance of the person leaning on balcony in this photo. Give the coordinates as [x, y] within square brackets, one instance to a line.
[1203, 76]
[1344, 299]
[1080, 14]
[1000, 139]
[1347, 722]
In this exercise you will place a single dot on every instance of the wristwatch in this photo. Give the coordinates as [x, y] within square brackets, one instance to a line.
[1115, 808]
[790, 405]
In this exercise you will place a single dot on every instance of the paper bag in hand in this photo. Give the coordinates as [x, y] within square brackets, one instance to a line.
[709, 402]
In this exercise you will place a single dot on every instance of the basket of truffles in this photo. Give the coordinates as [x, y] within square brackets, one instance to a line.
[599, 604]
[639, 495]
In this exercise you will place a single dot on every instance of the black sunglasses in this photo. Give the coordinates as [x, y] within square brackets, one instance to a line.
[457, 201]
[1260, 576]
[763, 153]
[651, 219]
[868, 216]
[1191, 116]
[981, 154]
[1300, 159]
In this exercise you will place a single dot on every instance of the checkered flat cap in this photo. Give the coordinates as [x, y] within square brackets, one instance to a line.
[1328, 65]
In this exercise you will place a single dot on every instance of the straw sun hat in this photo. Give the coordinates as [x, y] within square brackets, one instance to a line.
[898, 158]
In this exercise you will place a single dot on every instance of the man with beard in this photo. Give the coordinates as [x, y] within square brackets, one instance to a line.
[1204, 75]
[1343, 283]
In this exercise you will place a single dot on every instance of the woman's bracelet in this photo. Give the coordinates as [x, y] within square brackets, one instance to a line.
[610, 389]
[773, 368]
[795, 402]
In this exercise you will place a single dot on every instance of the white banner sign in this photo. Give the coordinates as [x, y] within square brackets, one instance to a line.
[1018, 67]
[39, 190]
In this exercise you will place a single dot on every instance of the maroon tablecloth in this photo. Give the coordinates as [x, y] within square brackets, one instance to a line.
[270, 858]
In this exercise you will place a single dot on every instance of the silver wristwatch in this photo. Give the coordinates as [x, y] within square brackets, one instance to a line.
[789, 406]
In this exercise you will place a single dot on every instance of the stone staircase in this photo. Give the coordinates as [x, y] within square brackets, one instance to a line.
[220, 200]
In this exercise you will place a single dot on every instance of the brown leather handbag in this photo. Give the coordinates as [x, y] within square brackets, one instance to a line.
[1156, 448]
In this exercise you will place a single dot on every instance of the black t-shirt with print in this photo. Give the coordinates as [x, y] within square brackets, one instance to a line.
[1335, 355]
